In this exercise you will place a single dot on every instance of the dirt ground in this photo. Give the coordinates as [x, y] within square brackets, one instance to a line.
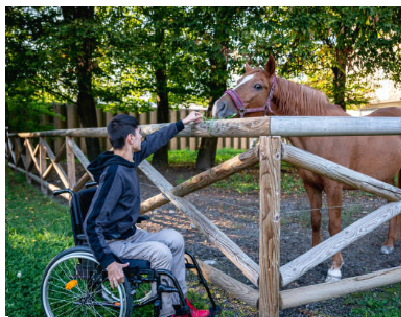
[237, 215]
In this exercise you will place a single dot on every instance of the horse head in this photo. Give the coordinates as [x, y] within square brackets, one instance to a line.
[252, 96]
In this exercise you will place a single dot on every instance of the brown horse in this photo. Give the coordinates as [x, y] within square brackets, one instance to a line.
[260, 92]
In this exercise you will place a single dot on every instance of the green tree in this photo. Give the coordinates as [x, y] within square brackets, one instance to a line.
[348, 42]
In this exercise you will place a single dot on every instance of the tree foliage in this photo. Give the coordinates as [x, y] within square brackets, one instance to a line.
[344, 45]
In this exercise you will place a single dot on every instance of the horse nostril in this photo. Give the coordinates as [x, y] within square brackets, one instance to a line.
[222, 106]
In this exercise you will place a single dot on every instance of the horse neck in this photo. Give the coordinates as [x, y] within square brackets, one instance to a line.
[292, 99]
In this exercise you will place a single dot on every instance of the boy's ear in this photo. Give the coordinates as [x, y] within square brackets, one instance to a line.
[128, 139]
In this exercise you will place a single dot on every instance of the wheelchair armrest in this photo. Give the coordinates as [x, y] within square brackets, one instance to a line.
[62, 191]
[90, 184]
[142, 218]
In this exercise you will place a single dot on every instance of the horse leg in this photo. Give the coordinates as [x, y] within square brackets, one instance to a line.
[395, 222]
[388, 246]
[334, 202]
[315, 202]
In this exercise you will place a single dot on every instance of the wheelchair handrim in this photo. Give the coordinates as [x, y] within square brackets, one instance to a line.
[82, 255]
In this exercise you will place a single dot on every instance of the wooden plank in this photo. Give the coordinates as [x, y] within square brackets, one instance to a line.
[183, 141]
[326, 249]
[32, 153]
[28, 162]
[78, 153]
[173, 143]
[269, 226]
[247, 266]
[48, 186]
[321, 292]
[20, 151]
[11, 149]
[57, 159]
[238, 290]
[82, 181]
[58, 123]
[42, 164]
[199, 181]
[331, 126]
[70, 163]
[57, 167]
[339, 173]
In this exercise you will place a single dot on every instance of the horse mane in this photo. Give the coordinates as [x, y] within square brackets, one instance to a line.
[301, 100]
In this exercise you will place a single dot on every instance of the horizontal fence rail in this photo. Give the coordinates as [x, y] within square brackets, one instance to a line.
[334, 126]
[255, 127]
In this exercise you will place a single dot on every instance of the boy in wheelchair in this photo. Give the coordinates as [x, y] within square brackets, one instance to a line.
[110, 223]
[127, 257]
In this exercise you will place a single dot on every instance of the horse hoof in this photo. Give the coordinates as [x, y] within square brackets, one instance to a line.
[385, 249]
[333, 275]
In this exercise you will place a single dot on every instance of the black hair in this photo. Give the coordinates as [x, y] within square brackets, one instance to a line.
[119, 127]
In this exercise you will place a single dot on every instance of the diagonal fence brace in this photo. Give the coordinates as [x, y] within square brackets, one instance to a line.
[247, 266]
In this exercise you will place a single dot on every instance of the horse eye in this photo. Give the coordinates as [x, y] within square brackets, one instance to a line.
[258, 87]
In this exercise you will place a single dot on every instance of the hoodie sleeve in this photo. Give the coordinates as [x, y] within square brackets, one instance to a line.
[157, 140]
[110, 191]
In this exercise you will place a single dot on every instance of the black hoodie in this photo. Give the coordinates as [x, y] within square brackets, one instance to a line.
[116, 205]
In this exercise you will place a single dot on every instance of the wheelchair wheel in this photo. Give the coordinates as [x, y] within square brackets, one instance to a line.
[74, 284]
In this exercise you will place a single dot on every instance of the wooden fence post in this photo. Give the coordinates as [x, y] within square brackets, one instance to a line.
[70, 163]
[42, 165]
[269, 230]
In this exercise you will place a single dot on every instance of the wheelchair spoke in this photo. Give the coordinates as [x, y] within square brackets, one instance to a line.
[61, 279]
[70, 274]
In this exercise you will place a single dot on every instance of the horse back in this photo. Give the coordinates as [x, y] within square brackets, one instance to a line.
[386, 112]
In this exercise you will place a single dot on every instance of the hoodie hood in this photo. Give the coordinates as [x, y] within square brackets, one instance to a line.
[104, 160]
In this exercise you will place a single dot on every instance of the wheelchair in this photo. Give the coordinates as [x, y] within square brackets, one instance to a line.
[74, 283]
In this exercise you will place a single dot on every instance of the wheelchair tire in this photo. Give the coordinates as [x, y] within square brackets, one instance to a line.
[74, 284]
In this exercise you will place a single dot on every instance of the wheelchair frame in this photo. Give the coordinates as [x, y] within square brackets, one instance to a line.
[137, 273]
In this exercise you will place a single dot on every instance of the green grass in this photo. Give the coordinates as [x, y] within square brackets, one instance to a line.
[37, 229]
[383, 302]
[187, 157]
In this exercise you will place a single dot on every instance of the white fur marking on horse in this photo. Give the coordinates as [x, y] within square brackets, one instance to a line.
[333, 275]
[385, 249]
[244, 81]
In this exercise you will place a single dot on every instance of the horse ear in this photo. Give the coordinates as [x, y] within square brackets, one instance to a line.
[248, 67]
[270, 66]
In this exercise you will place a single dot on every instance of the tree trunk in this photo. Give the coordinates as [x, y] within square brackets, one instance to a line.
[340, 77]
[85, 101]
[208, 148]
[160, 158]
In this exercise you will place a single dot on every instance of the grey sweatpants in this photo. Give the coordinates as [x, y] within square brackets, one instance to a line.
[164, 250]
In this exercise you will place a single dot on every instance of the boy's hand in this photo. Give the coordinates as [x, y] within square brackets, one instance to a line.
[116, 274]
[194, 116]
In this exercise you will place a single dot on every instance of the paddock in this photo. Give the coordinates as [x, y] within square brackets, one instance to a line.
[268, 275]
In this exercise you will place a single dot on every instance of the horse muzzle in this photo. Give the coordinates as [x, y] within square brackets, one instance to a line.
[222, 109]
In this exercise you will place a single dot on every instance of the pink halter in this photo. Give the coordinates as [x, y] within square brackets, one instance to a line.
[243, 111]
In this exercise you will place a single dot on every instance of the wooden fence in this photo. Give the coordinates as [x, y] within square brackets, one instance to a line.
[268, 276]
[69, 112]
